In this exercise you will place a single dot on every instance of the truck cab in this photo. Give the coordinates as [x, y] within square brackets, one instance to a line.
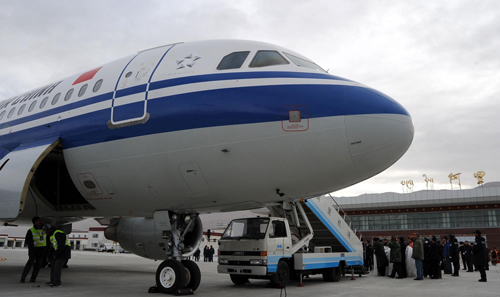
[253, 247]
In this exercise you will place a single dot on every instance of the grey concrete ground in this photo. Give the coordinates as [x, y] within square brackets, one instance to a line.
[93, 274]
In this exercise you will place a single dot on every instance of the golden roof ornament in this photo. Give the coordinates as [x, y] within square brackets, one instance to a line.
[453, 177]
[429, 182]
[479, 176]
[409, 184]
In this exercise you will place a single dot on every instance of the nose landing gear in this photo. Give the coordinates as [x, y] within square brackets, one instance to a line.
[176, 275]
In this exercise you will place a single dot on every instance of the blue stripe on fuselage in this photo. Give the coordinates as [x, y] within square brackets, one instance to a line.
[131, 91]
[202, 109]
[238, 75]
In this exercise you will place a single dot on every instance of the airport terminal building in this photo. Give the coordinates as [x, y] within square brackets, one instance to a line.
[428, 212]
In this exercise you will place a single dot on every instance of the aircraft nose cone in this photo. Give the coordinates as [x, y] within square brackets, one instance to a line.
[379, 131]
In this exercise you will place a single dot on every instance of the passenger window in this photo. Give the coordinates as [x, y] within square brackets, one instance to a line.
[11, 112]
[233, 61]
[56, 97]
[44, 101]
[82, 90]
[304, 63]
[97, 85]
[32, 106]
[68, 95]
[2, 114]
[21, 109]
[267, 58]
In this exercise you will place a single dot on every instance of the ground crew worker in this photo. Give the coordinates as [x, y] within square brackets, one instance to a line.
[35, 239]
[60, 252]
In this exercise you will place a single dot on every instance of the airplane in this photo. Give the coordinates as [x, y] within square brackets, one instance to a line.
[147, 143]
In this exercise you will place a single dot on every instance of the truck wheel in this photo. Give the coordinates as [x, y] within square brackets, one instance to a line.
[193, 274]
[332, 274]
[238, 280]
[170, 276]
[282, 275]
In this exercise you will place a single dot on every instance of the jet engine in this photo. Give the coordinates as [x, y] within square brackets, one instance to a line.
[141, 237]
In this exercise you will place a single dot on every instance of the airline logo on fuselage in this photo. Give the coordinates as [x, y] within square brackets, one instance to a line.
[187, 61]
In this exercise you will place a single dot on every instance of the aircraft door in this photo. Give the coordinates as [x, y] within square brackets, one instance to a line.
[16, 171]
[131, 91]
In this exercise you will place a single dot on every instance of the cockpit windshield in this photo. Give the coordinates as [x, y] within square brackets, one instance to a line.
[304, 63]
[233, 61]
[267, 58]
[251, 228]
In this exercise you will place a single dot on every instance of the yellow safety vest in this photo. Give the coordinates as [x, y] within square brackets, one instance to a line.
[54, 241]
[38, 237]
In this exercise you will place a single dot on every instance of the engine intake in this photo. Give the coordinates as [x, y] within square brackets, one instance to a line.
[139, 236]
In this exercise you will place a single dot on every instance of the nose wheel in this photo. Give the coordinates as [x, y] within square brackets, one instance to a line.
[173, 275]
[170, 276]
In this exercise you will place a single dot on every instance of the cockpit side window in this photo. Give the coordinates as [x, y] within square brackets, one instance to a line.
[267, 58]
[304, 63]
[233, 61]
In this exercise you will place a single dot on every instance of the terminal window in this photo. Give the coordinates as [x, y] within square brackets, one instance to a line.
[429, 220]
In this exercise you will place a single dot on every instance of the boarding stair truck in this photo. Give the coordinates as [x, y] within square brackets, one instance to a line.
[305, 237]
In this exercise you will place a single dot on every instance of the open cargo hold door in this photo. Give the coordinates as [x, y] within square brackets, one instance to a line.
[16, 171]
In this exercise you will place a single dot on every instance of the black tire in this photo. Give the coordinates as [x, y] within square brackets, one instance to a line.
[170, 276]
[193, 274]
[332, 274]
[282, 275]
[238, 280]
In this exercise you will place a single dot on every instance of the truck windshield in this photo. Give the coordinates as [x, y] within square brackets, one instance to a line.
[252, 228]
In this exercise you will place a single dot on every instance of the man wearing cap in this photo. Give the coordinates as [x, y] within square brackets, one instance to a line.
[479, 255]
[418, 255]
[60, 253]
[35, 239]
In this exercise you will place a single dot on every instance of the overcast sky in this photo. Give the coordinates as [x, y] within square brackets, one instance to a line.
[439, 59]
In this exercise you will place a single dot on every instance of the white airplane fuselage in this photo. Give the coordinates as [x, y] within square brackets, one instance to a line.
[167, 130]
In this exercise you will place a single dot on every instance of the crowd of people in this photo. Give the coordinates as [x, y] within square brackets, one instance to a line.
[208, 254]
[420, 258]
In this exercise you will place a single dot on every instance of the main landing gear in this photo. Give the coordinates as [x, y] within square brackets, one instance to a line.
[176, 275]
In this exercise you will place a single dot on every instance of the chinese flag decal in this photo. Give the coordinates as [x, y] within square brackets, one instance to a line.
[86, 76]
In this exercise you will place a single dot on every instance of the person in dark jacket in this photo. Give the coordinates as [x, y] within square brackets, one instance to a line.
[206, 251]
[479, 255]
[395, 258]
[468, 256]
[379, 253]
[447, 255]
[59, 254]
[435, 256]
[402, 244]
[211, 253]
[196, 255]
[454, 255]
[369, 256]
[35, 239]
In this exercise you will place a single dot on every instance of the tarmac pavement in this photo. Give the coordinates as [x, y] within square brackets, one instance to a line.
[93, 274]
